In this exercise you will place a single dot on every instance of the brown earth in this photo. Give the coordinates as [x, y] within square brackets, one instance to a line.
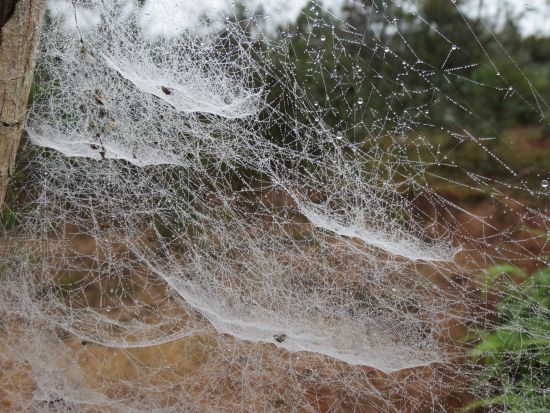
[188, 369]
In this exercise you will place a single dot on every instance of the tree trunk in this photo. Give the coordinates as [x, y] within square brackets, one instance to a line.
[20, 22]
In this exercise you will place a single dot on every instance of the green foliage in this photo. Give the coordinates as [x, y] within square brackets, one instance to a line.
[516, 353]
[495, 79]
[8, 219]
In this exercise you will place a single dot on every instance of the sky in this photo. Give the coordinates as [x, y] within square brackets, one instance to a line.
[170, 17]
[536, 13]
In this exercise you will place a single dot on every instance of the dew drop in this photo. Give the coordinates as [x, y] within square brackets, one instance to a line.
[360, 101]
[544, 183]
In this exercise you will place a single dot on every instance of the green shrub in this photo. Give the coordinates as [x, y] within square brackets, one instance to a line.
[515, 354]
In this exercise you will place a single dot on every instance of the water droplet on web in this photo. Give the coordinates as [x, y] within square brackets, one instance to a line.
[360, 101]
[454, 47]
[544, 183]
[323, 38]
[339, 135]
[386, 49]
[108, 309]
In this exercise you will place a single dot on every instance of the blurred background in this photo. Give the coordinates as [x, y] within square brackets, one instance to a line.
[479, 69]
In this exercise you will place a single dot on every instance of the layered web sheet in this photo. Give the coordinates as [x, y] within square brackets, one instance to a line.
[199, 227]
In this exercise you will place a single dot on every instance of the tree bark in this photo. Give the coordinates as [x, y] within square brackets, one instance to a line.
[20, 22]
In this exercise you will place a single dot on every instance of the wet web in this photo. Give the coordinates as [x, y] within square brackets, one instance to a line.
[244, 217]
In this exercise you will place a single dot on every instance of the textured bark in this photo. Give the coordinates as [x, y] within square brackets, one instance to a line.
[20, 22]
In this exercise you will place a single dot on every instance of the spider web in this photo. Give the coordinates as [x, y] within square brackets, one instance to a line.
[198, 231]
